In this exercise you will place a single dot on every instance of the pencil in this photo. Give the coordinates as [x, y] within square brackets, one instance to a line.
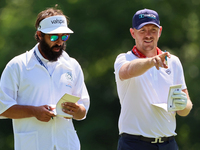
[166, 58]
[50, 110]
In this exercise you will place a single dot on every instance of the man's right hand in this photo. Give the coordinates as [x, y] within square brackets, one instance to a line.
[42, 113]
[159, 60]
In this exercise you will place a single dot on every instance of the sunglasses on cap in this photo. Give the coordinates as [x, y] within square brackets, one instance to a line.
[54, 38]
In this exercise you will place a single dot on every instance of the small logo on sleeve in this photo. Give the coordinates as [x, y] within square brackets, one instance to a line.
[168, 71]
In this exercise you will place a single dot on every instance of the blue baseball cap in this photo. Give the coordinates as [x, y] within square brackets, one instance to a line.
[144, 17]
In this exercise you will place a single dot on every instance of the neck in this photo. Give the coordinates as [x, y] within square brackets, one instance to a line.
[39, 47]
[151, 53]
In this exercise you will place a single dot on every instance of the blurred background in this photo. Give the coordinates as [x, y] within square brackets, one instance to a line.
[101, 32]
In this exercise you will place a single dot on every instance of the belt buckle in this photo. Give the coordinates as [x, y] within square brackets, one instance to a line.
[157, 140]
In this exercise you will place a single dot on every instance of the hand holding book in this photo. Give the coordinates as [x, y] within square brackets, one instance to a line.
[59, 106]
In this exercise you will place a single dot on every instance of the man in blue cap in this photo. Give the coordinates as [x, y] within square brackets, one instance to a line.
[143, 77]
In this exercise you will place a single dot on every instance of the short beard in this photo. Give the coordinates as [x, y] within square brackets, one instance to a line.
[48, 51]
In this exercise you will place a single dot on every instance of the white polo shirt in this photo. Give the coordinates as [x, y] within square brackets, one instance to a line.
[25, 81]
[138, 116]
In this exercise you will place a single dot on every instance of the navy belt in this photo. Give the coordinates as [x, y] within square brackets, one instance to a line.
[149, 140]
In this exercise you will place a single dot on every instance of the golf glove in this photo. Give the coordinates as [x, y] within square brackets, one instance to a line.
[180, 99]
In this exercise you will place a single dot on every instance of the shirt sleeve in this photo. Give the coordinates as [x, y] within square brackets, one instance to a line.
[80, 89]
[119, 62]
[180, 74]
[8, 87]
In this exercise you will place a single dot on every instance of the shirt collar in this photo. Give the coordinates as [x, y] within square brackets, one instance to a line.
[137, 53]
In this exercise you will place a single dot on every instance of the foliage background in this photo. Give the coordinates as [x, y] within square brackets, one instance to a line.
[101, 32]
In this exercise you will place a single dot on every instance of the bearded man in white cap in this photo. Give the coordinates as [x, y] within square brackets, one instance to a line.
[32, 84]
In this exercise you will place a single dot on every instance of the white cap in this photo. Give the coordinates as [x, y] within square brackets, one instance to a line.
[54, 25]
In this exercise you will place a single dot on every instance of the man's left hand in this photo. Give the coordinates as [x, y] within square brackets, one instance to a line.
[74, 109]
[180, 99]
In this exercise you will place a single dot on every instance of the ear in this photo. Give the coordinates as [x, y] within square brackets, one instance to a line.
[160, 31]
[39, 34]
[132, 32]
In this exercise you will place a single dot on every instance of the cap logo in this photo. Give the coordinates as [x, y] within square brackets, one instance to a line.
[147, 15]
[57, 21]
[54, 25]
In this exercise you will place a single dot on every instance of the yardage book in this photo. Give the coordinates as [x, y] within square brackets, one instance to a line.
[65, 98]
[169, 106]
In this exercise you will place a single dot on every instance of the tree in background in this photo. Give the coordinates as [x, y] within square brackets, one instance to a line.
[101, 32]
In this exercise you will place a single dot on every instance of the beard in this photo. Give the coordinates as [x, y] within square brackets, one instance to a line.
[48, 51]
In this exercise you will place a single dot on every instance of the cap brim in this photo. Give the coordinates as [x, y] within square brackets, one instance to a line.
[145, 23]
[57, 30]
